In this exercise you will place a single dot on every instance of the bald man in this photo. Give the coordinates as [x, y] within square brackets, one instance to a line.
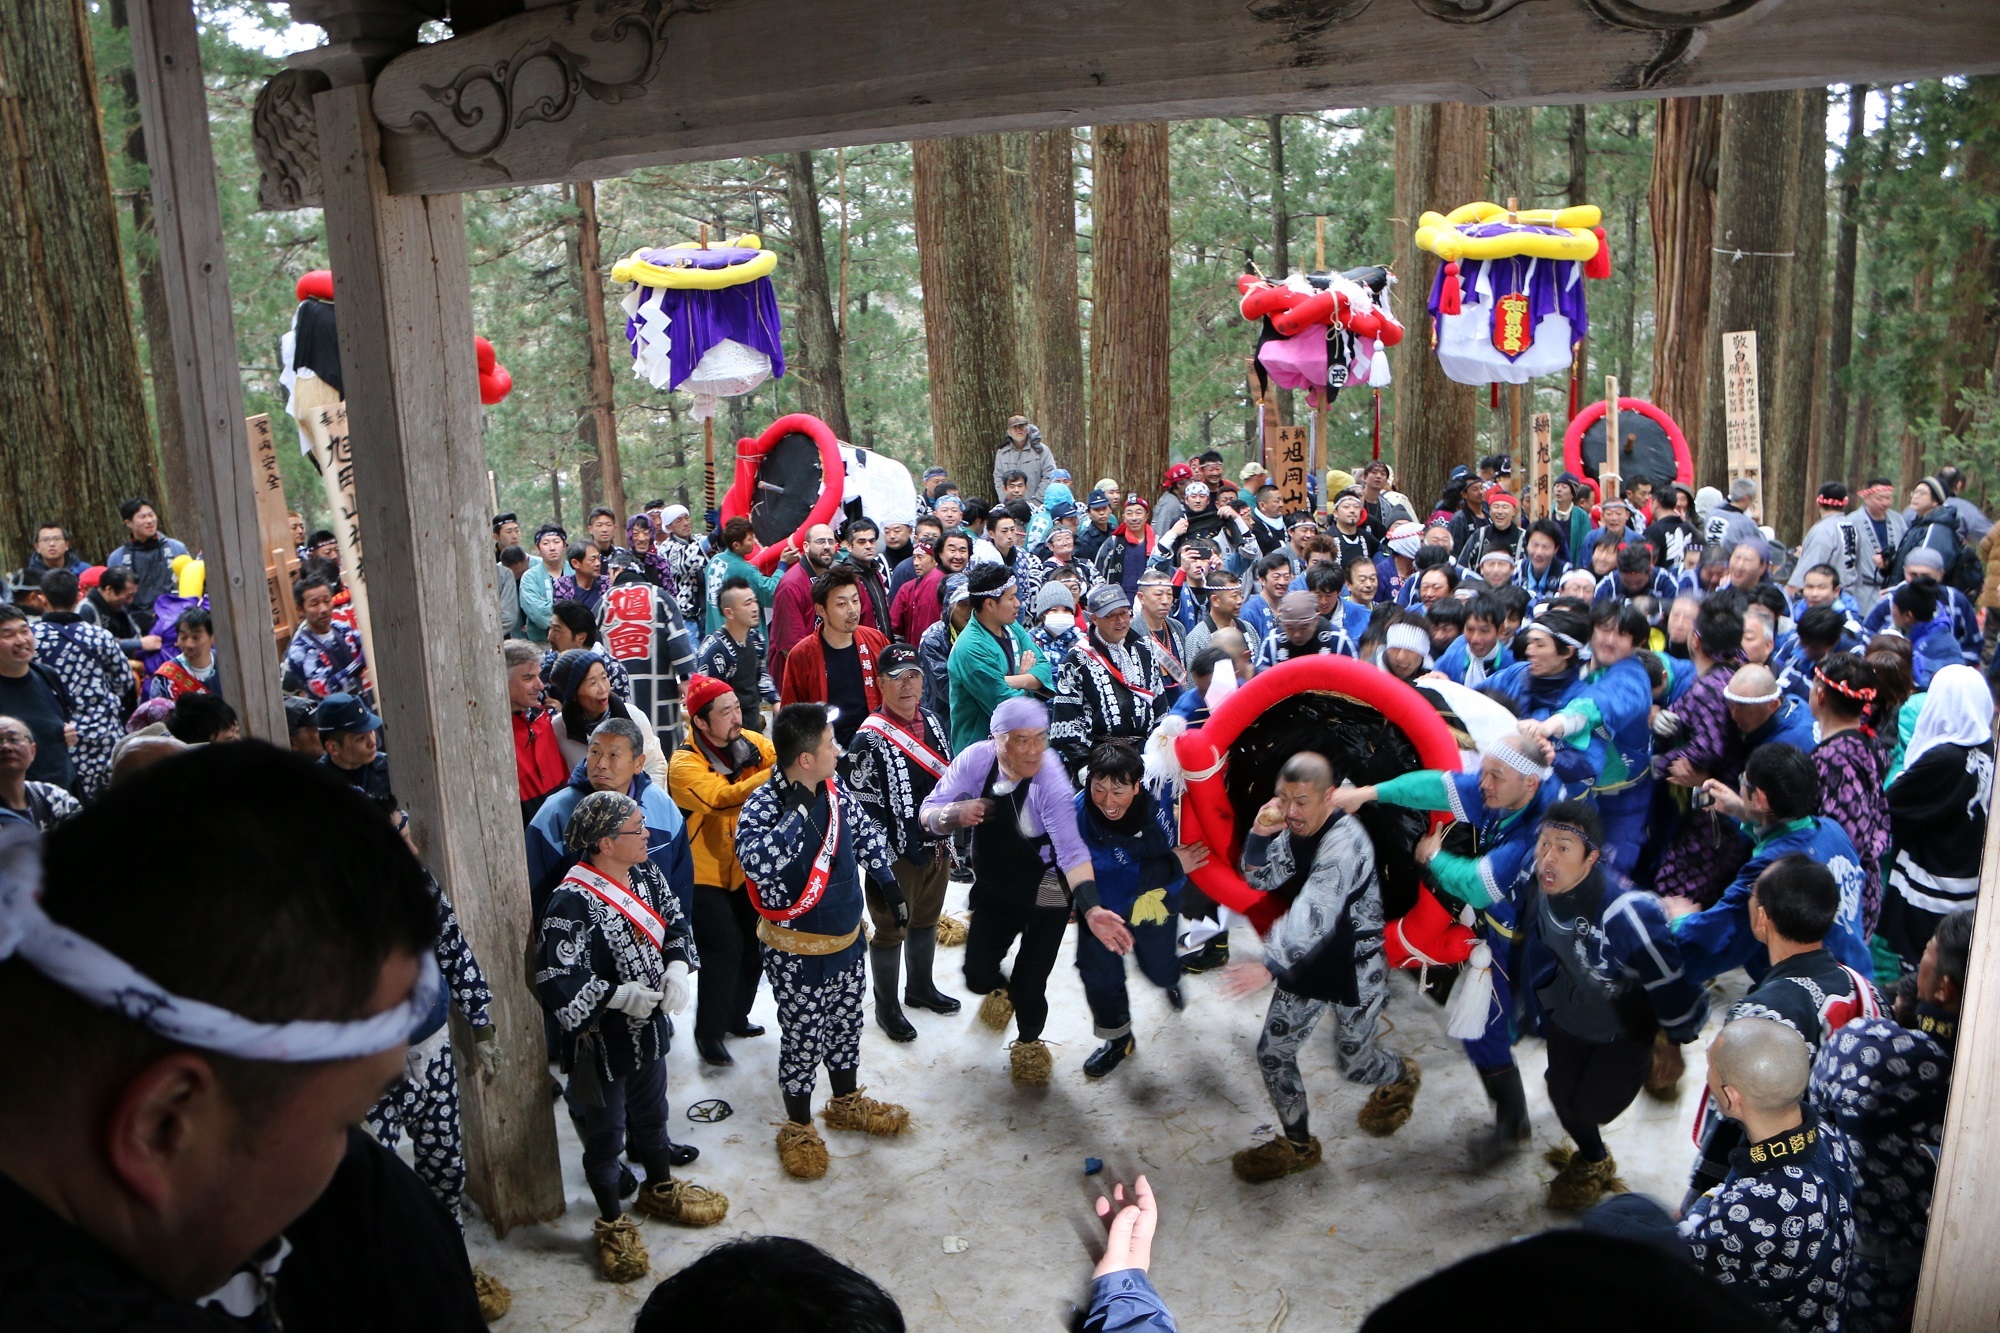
[1762, 713]
[1504, 801]
[792, 614]
[1780, 1227]
[1779, 1230]
[1326, 951]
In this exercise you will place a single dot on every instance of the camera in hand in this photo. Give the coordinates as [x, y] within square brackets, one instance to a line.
[1702, 799]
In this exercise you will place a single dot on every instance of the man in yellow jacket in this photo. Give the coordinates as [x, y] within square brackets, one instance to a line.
[710, 777]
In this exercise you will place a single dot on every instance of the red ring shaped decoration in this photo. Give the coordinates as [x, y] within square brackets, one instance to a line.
[1205, 811]
[750, 457]
[1584, 420]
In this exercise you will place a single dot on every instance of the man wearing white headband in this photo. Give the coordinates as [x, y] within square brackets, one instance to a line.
[1762, 714]
[1503, 802]
[183, 1056]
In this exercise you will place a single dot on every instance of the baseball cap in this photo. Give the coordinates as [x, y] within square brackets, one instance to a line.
[1062, 509]
[1098, 500]
[1016, 420]
[1253, 470]
[897, 659]
[1106, 599]
[344, 712]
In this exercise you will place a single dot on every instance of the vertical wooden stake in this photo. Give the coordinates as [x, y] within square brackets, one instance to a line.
[1613, 465]
[1319, 244]
[1542, 465]
[1516, 420]
[708, 455]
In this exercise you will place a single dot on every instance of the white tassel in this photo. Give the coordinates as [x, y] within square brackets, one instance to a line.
[1378, 367]
[1472, 997]
[1163, 772]
[1222, 683]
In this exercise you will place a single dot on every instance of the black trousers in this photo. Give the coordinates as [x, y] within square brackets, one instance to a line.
[725, 935]
[991, 934]
[1591, 1083]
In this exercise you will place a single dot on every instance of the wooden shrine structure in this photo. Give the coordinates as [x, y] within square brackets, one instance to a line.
[385, 132]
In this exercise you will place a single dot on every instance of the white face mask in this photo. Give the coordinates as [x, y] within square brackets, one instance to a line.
[1059, 622]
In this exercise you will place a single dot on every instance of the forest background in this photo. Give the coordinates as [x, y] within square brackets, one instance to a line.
[1878, 209]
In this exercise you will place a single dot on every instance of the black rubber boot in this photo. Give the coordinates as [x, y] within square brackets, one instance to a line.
[1511, 1125]
[1208, 957]
[1109, 1056]
[883, 965]
[920, 990]
[799, 1108]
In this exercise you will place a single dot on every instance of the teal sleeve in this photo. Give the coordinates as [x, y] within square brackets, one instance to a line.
[1459, 876]
[767, 584]
[1422, 790]
[1592, 719]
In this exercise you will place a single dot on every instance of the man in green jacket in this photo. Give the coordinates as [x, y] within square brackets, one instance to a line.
[538, 584]
[732, 557]
[994, 659]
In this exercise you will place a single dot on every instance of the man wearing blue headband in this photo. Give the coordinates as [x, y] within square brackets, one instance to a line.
[184, 1054]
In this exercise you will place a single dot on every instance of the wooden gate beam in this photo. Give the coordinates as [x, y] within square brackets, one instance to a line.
[173, 107]
[404, 290]
[597, 88]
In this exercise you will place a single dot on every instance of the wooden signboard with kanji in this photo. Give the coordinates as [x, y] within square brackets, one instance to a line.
[1288, 452]
[1742, 411]
[274, 531]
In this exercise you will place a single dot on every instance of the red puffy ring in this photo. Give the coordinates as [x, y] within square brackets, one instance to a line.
[1584, 420]
[1206, 814]
[750, 457]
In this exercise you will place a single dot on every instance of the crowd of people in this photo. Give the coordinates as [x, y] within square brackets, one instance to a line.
[1713, 754]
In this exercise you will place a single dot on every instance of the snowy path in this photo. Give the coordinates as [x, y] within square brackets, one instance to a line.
[1003, 1167]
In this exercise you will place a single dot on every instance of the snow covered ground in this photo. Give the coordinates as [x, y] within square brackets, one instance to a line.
[1003, 1168]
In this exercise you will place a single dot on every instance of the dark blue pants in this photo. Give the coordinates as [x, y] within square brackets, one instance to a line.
[632, 1120]
[1103, 971]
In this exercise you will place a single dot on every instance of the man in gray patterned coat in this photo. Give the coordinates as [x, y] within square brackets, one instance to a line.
[1324, 952]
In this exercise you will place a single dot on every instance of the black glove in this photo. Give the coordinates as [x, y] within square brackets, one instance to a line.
[892, 894]
[796, 796]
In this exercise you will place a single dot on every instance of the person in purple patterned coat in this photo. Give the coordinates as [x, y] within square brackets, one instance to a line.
[1853, 767]
[1703, 854]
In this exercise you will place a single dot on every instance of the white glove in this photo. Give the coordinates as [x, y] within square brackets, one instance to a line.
[678, 990]
[635, 1000]
[486, 1050]
[1665, 723]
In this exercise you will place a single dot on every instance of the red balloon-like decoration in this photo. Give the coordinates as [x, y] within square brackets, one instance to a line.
[317, 284]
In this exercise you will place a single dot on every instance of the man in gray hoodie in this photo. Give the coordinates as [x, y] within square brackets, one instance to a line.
[1024, 451]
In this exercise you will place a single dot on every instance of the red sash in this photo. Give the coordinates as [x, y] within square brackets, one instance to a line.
[623, 901]
[911, 743]
[179, 679]
[817, 877]
[1083, 646]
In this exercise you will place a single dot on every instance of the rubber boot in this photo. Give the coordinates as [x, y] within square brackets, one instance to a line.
[799, 1108]
[883, 966]
[921, 992]
[1511, 1125]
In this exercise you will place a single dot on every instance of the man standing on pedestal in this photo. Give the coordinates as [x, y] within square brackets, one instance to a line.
[805, 843]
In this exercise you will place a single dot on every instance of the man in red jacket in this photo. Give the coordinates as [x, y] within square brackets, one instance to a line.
[538, 762]
[792, 603]
[836, 665]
